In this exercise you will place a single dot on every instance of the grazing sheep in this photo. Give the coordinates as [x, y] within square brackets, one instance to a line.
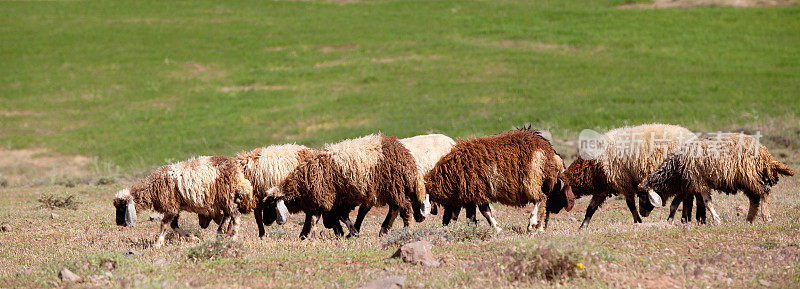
[203, 185]
[427, 150]
[513, 168]
[629, 155]
[726, 162]
[265, 168]
[374, 170]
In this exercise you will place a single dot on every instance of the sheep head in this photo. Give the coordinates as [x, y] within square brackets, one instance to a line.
[275, 209]
[126, 208]
[561, 197]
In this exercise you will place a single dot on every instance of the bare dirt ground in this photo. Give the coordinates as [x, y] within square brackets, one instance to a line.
[38, 166]
[658, 4]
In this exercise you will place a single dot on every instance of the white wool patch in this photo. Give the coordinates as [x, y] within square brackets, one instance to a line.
[635, 152]
[428, 149]
[123, 194]
[266, 167]
[356, 158]
[534, 179]
[194, 178]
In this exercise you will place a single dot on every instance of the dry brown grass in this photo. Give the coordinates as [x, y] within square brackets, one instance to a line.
[613, 251]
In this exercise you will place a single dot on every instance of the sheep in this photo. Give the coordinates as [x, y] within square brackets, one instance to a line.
[726, 162]
[427, 150]
[206, 185]
[373, 170]
[514, 168]
[620, 162]
[265, 168]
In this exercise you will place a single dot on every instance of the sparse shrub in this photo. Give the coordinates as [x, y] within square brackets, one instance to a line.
[467, 232]
[52, 201]
[105, 181]
[769, 245]
[540, 263]
[3, 183]
[214, 249]
[407, 235]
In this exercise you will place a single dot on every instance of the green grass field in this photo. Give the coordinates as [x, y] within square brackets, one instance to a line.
[99, 92]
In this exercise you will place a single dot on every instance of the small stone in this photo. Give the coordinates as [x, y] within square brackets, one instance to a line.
[54, 216]
[391, 282]
[155, 217]
[5, 228]
[67, 276]
[418, 252]
[763, 282]
[133, 253]
[573, 219]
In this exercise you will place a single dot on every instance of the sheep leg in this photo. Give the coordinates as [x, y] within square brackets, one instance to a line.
[701, 209]
[234, 230]
[710, 206]
[631, 201]
[163, 233]
[533, 221]
[223, 225]
[308, 225]
[258, 214]
[455, 211]
[174, 225]
[470, 208]
[755, 202]
[596, 202]
[673, 207]
[345, 218]
[389, 220]
[362, 213]
[487, 213]
[688, 202]
[766, 200]
[447, 216]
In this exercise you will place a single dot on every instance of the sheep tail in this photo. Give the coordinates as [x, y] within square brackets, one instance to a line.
[782, 168]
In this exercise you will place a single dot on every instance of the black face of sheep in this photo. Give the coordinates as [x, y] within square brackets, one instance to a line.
[421, 210]
[275, 211]
[561, 197]
[126, 213]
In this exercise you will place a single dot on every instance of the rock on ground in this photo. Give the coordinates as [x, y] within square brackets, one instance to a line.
[385, 283]
[418, 252]
[67, 276]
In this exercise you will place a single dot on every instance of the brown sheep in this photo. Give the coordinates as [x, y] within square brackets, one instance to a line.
[726, 162]
[203, 185]
[628, 156]
[374, 170]
[513, 168]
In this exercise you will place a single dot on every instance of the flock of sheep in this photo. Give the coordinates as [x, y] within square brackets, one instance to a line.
[415, 176]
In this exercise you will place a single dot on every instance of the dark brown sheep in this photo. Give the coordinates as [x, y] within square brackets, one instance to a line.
[374, 170]
[513, 168]
[208, 186]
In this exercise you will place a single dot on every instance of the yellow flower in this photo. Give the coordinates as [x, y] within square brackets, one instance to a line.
[579, 265]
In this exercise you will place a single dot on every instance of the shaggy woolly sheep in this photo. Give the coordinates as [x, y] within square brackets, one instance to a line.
[726, 162]
[205, 185]
[623, 161]
[513, 168]
[427, 150]
[374, 170]
[265, 168]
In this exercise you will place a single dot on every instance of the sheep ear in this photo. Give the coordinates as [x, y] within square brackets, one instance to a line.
[654, 198]
[130, 214]
[570, 198]
[282, 212]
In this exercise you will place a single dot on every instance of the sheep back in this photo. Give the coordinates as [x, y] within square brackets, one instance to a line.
[511, 168]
